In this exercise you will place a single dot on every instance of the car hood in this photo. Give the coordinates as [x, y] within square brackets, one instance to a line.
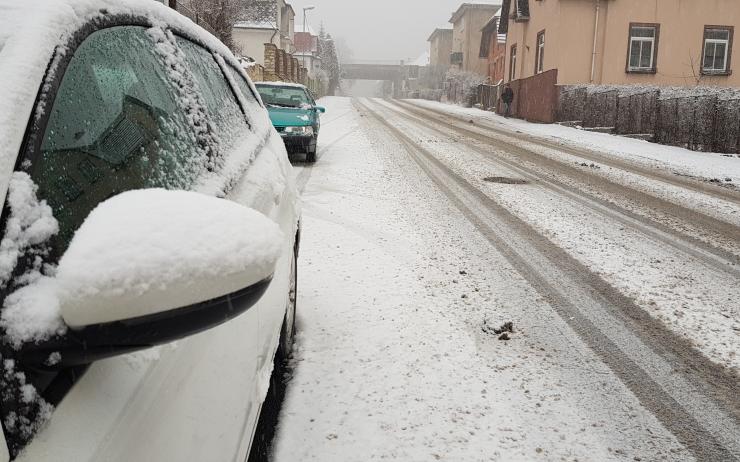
[291, 117]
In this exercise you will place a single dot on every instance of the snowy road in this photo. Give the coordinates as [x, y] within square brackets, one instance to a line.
[425, 229]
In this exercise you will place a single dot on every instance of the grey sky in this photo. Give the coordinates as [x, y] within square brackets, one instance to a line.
[381, 29]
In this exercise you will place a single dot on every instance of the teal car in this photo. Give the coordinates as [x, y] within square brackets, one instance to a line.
[294, 114]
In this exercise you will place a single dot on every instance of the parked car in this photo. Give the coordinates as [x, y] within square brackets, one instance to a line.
[294, 114]
[148, 200]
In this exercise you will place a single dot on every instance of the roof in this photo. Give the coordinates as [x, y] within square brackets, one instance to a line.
[423, 60]
[299, 28]
[493, 7]
[31, 31]
[279, 84]
[255, 25]
[492, 23]
[439, 31]
[259, 14]
[521, 11]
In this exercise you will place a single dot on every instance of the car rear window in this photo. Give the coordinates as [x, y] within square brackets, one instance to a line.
[221, 103]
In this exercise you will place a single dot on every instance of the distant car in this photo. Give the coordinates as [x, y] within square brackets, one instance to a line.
[294, 114]
[148, 200]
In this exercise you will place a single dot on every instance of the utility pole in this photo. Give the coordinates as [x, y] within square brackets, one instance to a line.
[305, 31]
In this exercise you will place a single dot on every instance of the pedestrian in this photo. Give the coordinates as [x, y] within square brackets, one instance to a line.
[508, 97]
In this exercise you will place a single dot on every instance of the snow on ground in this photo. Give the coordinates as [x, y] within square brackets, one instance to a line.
[702, 164]
[395, 356]
[687, 296]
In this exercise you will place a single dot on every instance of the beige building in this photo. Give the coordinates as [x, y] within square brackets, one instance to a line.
[440, 47]
[267, 21]
[650, 42]
[468, 22]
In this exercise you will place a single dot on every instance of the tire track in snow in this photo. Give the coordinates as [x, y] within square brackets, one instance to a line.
[714, 258]
[593, 156]
[719, 230]
[694, 399]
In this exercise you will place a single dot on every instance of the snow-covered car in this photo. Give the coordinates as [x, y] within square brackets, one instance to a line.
[294, 114]
[150, 236]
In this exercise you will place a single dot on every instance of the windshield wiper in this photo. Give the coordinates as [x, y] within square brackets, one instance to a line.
[281, 105]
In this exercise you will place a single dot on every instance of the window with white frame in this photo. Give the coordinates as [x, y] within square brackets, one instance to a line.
[643, 48]
[717, 49]
[512, 64]
[539, 60]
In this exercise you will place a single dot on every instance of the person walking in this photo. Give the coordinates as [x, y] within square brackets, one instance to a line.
[508, 97]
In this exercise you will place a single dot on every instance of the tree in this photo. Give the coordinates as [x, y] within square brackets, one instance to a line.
[329, 61]
[220, 15]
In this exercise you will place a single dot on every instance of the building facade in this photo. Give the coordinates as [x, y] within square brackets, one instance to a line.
[493, 49]
[440, 47]
[468, 22]
[646, 42]
[307, 49]
[265, 21]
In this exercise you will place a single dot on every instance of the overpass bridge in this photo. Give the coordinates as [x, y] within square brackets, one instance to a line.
[396, 72]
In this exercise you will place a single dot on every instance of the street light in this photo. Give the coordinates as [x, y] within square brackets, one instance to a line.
[303, 53]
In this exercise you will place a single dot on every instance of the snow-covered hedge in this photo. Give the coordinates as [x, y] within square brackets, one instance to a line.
[699, 118]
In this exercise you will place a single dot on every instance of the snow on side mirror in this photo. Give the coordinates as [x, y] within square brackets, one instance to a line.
[151, 266]
[321, 109]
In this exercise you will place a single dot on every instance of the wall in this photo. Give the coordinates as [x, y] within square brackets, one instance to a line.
[569, 33]
[467, 37]
[252, 42]
[680, 41]
[535, 98]
[440, 48]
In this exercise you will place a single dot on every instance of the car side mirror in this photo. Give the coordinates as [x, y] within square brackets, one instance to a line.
[321, 109]
[151, 266]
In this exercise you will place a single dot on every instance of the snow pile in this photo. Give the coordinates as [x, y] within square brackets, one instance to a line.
[171, 249]
[31, 410]
[31, 222]
[30, 312]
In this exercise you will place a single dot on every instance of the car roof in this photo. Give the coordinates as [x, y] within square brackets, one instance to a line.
[280, 84]
[31, 31]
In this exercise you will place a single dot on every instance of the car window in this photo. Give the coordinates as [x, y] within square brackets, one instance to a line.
[276, 95]
[114, 126]
[241, 82]
[223, 108]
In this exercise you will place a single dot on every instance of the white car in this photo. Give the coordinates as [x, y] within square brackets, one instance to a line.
[149, 237]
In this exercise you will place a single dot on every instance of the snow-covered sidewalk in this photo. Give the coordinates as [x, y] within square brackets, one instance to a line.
[691, 163]
[396, 355]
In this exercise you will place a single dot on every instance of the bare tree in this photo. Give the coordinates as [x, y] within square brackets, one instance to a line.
[220, 15]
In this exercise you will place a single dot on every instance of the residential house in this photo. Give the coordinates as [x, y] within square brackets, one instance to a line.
[307, 49]
[265, 21]
[468, 22]
[440, 47]
[493, 48]
[647, 42]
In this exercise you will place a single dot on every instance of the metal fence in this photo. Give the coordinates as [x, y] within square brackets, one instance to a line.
[488, 96]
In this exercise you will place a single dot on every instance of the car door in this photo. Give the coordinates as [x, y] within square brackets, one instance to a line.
[118, 119]
[269, 186]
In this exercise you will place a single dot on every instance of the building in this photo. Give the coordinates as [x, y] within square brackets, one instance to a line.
[493, 49]
[440, 47]
[265, 21]
[645, 42]
[468, 22]
[307, 49]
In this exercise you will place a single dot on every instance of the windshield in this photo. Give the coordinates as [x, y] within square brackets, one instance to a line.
[274, 95]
